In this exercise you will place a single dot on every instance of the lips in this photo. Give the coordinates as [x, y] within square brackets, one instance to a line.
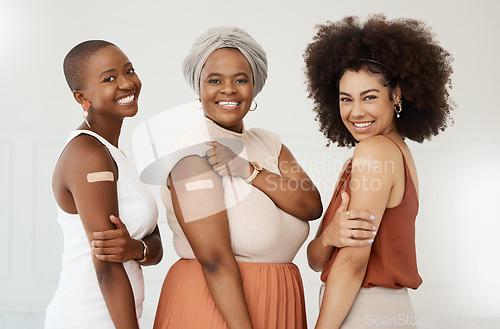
[362, 124]
[228, 104]
[126, 100]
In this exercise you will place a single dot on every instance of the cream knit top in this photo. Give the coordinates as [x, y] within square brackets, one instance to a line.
[260, 231]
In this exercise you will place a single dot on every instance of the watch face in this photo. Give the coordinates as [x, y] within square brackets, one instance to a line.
[257, 166]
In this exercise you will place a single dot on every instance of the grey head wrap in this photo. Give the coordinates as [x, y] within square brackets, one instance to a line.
[225, 37]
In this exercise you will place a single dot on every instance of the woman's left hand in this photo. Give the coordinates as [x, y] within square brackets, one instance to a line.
[226, 163]
[116, 245]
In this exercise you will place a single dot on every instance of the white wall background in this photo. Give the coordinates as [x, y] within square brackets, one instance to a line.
[458, 224]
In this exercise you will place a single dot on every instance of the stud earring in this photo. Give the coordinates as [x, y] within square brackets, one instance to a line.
[253, 102]
[197, 104]
[398, 108]
[86, 107]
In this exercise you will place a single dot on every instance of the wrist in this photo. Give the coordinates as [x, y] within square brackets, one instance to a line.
[247, 172]
[255, 170]
[142, 254]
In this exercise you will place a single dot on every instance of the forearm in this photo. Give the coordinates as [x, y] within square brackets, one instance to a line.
[299, 198]
[226, 288]
[118, 294]
[318, 254]
[342, 287]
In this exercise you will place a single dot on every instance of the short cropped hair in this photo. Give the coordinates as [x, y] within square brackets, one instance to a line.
[75, 62]
[402, 52]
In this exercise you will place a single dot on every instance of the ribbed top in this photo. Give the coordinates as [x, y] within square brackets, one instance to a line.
[260, 231]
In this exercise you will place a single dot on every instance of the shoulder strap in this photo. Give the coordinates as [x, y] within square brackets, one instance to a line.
[400, 150]
[114, 152]
[93, 134]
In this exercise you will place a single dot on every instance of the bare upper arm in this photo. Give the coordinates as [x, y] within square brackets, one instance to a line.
[93, 201]
[198, 199]
[319, 231]
[373, 176]
[289, 166]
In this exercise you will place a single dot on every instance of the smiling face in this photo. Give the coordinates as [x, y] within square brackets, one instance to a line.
[226, 88]
[365, 106]
[111, 86]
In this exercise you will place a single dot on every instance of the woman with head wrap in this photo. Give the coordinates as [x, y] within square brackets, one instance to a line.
[237, 201]
[375, 84]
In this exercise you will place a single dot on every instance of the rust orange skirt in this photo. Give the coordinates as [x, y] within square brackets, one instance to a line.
[274, 295]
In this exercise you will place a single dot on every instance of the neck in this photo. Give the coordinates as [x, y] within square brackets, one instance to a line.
[108, 129]
[237, 128]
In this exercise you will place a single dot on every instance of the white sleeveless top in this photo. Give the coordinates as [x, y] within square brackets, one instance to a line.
[260, 231]
[78, 301]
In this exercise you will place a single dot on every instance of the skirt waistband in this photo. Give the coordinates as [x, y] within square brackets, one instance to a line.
[383, 290]
[373, 290]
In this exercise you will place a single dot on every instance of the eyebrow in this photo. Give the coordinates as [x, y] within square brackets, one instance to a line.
[234, 75]
[241, 73]
[362, 93]
[112, 70]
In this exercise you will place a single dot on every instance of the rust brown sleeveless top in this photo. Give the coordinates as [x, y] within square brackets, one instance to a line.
[393, 260]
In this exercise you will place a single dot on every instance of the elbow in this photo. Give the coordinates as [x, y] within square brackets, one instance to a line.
[212, 268]
[104, 272]
[312, 207]
[159, 255]
[211, 264]
[314, 263]
[158, 258]
[315, 266]
[356, 267]
[317, 210]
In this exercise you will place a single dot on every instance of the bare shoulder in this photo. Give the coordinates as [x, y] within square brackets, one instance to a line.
[190, 166]
[86, 153]
[82, 156]
[378, 148]
[379, 154]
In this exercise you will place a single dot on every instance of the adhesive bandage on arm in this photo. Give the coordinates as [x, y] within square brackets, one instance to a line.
[101, 176]
[199, 185]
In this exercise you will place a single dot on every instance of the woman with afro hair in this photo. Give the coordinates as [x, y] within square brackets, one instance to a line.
[374, 84]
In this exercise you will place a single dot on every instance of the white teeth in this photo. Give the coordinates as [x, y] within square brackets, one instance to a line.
[228, 103]
[126, 100]
[362, 125]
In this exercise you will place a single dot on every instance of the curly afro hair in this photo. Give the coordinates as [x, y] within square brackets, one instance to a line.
[402, 51]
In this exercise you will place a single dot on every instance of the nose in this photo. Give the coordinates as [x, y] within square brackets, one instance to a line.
[227, 88]
[124, 83]
[357, 110]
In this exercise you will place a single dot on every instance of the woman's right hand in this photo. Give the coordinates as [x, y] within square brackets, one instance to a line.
[349, 228]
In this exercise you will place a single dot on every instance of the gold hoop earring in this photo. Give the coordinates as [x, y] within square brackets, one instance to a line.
[398, 108]
[197, 104]
[253, 102]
